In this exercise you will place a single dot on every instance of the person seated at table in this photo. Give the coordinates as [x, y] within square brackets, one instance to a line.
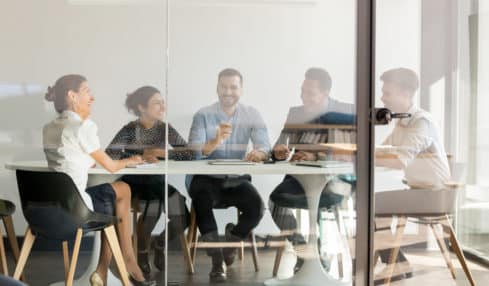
[145, 136]
[222, 131]
[72, 146]
[317, 106]
[417, 144]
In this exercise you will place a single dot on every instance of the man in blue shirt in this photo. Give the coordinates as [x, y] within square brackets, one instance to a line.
[224, 130]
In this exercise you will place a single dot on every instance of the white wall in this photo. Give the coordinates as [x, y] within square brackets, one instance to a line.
[398, 44]
[482, 140]
[121, 47]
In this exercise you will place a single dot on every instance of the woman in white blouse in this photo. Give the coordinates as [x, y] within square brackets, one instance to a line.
[72, 146]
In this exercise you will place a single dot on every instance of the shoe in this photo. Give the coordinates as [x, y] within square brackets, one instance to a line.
[159, 258]
[218, 273]
[143, 262]
[298, 264]
[230, 252]
[96, 280]
[402, 270]
[142, 283]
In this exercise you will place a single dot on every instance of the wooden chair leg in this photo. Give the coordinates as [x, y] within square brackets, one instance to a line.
[66, 259]
[29, 239]
[458, 251]
[116, 251]
[74, 257]
[401, 225]
[443, 248]
[254, 251]
[278, 258]
[12, 238]
[192, 235]
[186, 254]
[3, 256]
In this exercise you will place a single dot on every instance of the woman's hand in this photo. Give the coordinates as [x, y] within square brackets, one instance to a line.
[154, 154]
[134, 160]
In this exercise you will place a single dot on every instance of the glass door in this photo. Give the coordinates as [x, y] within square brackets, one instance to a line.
[429, 160]
[264, 93]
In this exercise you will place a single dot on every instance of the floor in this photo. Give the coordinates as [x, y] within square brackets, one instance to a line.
[429, 268]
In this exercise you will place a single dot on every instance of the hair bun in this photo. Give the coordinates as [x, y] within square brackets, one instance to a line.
[50, 95]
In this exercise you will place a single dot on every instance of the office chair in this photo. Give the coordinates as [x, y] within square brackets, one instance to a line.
[427, 207]
[54, 209]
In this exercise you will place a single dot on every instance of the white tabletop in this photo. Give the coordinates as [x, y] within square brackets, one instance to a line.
[202, 167]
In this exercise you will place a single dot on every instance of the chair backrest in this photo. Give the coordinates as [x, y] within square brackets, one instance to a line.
[51, 204]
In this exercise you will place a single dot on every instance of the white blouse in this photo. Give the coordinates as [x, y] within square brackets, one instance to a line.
[68, 141]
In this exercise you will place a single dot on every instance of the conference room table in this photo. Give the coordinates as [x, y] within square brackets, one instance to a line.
[313, 180]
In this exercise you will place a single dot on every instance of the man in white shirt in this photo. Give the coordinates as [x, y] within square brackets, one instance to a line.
[417, 147]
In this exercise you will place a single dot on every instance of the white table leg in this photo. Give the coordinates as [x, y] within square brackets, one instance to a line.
[84, 279]
[311, 272]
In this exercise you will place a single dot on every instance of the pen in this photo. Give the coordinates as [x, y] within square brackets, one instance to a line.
[287, 142]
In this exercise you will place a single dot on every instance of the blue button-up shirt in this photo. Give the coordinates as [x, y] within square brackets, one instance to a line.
[247, 126]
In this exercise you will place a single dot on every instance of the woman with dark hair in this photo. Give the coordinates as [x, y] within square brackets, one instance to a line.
[146, 136]
[72, 146]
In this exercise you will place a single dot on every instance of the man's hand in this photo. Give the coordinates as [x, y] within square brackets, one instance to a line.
[256, 156]
[223, 131]
[281, 152]
[303, 156]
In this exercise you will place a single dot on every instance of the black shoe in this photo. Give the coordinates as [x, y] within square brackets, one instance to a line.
[218, 273]
[298, 264]
[142, 283]
[230, 253]
[159, 258]
[143, 262]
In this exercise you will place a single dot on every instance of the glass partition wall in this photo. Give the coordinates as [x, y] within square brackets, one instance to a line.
[240, 81]
[429, 182]
[272, 82]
